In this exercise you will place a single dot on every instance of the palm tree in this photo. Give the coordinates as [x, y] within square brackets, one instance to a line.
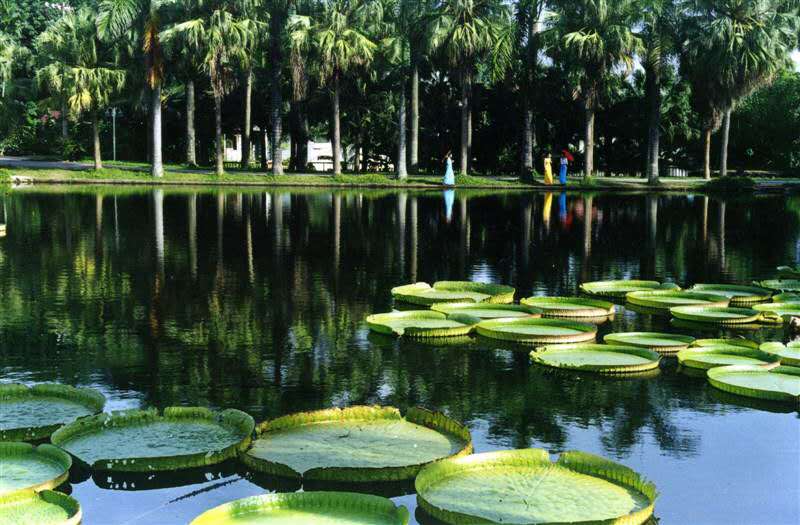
[338, 38]
[597, 37]
[141, 21]
[466, 31]
[222, 41]
[8, 52]
[279, 16]
[87, 80]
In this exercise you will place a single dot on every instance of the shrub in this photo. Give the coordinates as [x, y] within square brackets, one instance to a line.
[730, 184]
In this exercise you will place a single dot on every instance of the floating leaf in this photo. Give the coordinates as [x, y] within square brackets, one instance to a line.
[780, 383]
[33, 413]
[661, 343]
[730, 341]
[525, 487]
[421, 324]
[304, 508]
[705, 357]
[666, 299]
[355, 444]
[716, 315]
[48, 507]
[537, 331]
[570, 306]
[604, 359]
[739, 295]
[453, 292]
[789, 354]
[27, 467]
[487, 311]
[146, 441]
[618, 289]
[781, 285]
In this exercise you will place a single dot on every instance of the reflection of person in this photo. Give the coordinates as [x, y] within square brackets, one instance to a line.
[548, 169]
[562, 207]
[548, 203]
[449, 198]
[566, 158]
[449, 177]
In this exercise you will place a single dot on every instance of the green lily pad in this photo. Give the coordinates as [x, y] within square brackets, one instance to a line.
[705, 357]
[789, 354]
[739, 295]
[666, 299]
[48, 507]
[730, 341]
[780, 383]
[421, 324]
[570, 306]
[525, 487]
[788, 272]
[782, 285]
[604, 359]
[302, 508]
[355, 444]
[33, 413]
[775, 311]
[487, 311]
[661, 343]
[27, 467]
[786, 297]
[537, 331]
[146, 441]
[618, 289]
[716, 314]
[453, 292]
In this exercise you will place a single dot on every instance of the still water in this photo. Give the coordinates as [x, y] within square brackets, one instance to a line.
[256, 301]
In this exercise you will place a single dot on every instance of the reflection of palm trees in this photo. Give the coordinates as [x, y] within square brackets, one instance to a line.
[587, 236]
[414, 240]
[158, 205]
[192, 220]
[465, 234]
[722, 206]
[400, 236]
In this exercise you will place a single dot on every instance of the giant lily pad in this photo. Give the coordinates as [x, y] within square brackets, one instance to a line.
[604, 359]
[789, 354]
[33, 413]
[729, 341]
[705, 357]
[487, 311]
[780, 383]
[453, 292]
[525, 487]
[774, 312]
[302, 508]
[788, 272]
[739, 295]
[661, 343]
[570, 306]
[421, 324]
[666, 299]
[355, 444]
[26, 467]
[619, 289]
[537, 331]
[716, 315]
[781, 285]
[146, 441]
[786, 297]
[48, 507]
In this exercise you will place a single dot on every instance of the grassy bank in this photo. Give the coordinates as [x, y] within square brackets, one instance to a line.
[129, 175]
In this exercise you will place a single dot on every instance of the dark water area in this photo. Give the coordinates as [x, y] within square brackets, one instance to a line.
[256, 301]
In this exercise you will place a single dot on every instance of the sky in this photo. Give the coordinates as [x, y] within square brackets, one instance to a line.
[796, 58]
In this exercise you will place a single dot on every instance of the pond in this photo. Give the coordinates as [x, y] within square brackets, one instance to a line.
[256, 301]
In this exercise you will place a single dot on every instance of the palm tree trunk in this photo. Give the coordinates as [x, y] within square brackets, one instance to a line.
[248, 97]
[337, 132]
[465, 124]
[707, 157]
[98, 161]
[723, 148]
[402, 173]
[414, 139]
[191, 152]
[64, 123]
[219, 146]
[276, 60]
[526, 142]
[653, 90]
[157, 169]
[588, 168]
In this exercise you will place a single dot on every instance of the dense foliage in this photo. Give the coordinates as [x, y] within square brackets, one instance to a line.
[646, 84]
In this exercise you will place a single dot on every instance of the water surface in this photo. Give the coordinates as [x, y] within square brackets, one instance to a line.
[256, 301]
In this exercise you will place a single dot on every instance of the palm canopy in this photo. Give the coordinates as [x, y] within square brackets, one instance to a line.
[76, 65]
[9, 50]
[467, 29]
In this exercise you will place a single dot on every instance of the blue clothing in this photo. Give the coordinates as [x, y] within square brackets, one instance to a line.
[562, 205]
[449, 176]
[449, 199]
[562, 173]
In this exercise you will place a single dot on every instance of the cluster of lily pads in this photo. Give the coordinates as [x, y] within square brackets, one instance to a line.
[350, 445]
